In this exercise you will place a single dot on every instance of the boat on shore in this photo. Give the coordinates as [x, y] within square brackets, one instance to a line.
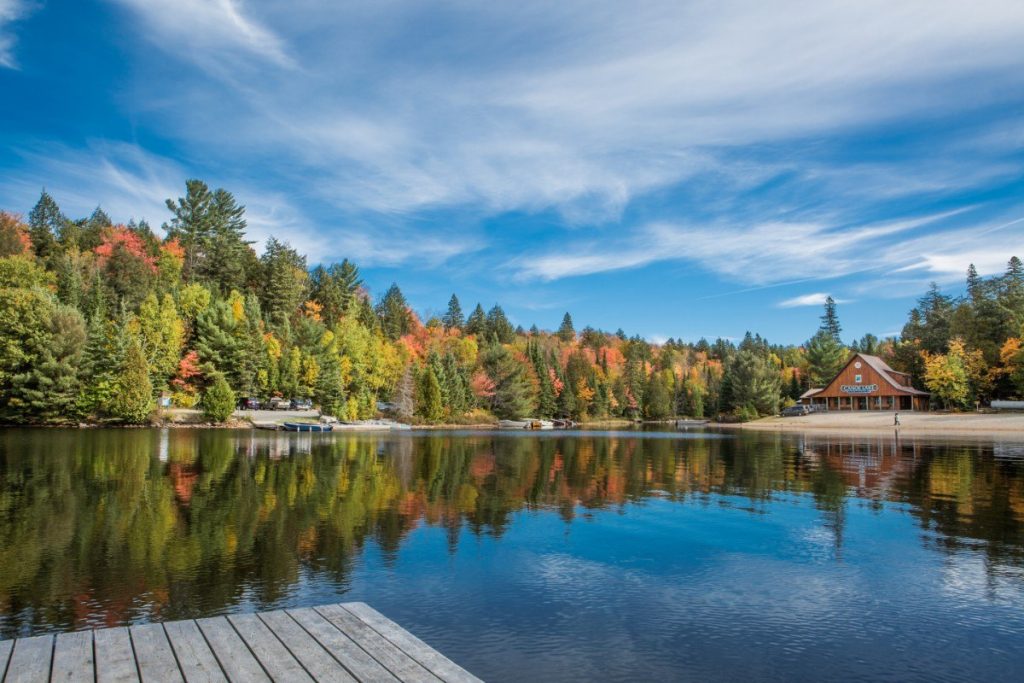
[306, 427]
[684, 424]
[534, 423]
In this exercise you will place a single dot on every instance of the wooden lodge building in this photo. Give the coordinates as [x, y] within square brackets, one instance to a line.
[867, 383]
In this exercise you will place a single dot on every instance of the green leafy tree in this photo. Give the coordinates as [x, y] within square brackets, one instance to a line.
[218, 400]
[14, 237]
[162, 335]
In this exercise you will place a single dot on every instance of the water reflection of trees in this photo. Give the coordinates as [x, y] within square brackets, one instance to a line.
[127, 524]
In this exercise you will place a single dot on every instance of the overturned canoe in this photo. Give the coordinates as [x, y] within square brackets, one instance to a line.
[306, 427]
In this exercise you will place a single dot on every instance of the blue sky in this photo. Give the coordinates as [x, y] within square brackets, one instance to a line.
[678, 169]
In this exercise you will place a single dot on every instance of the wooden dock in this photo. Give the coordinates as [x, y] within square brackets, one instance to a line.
[343, 642]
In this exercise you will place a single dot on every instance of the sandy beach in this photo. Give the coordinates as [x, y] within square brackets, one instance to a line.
[919, 424]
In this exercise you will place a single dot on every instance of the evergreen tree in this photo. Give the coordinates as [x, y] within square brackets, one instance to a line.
[192, 226]
[46, 222]
[393, 312]
[830, 319]
[477, 322]
[284, 284]
[335, 288]
[658, 402]
[547, 401]
[935, 310]
[795, 391]
[513, 395]
[431, 407]
[974, 284]
[132, 397]
[825, 357]
[499, 327]
[754, 383]
[219, 344]
[566, 332]
[218, 400]
[225, 260]
[46, 390]
[453, 318]
[329, 389]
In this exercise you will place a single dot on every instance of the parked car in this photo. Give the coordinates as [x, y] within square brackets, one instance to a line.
[301, 404]
[248, 403]
[797, 410]
[279, 403]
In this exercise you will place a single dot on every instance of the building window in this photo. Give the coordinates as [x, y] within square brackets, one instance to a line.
[857, 379]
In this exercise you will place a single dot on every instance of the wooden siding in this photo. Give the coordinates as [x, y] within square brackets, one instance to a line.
[868, 376]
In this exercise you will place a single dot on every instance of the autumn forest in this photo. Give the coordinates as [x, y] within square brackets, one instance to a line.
[99, 321]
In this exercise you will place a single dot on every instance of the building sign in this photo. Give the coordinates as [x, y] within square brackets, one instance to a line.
[858, 388]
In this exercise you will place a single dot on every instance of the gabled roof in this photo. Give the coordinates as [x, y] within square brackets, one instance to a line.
[811, 392]
[883, 369]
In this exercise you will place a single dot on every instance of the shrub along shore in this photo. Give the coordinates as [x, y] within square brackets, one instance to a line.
[100, 322]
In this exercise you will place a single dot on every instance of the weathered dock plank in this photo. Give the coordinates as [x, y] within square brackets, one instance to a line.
[115, 659]
[341, 643]
[313, 657]
[154, 654]
[403, 666]
[30, 660]
[434, 661]
[72, 658]
[344, 649]
[198, 665]
[272, 654]
[237, 662]
[5, 654]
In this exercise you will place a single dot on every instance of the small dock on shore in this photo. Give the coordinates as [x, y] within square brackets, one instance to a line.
[341, 642]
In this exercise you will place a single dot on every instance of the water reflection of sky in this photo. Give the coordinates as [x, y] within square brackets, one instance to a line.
[597, 556]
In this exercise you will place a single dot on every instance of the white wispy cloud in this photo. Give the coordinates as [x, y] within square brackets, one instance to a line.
[132, 184]
[381, 112]
[813, 299]
[517, 106]
[209, 30]
[758, 254]
[10, 12]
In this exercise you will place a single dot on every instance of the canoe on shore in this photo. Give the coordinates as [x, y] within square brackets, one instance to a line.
[306, 427]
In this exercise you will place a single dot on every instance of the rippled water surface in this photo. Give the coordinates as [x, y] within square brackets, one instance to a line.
[561, 556]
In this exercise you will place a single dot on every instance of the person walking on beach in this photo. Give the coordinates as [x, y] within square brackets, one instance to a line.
[896, 420]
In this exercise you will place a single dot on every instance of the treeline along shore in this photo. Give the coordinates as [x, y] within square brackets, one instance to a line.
[99, 321]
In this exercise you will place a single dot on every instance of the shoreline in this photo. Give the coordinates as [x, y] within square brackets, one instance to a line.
[911, 424]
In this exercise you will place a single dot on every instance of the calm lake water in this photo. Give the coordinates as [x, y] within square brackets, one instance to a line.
[562, 556]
